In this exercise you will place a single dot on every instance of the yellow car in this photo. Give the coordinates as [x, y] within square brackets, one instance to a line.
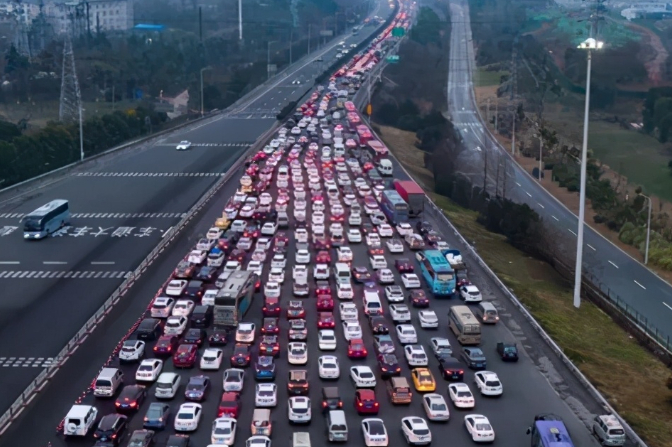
[223, 222]
[423, 380]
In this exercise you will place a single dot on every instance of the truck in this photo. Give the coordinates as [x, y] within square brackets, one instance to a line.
[413, 194]
[454, 258]
[234, 299]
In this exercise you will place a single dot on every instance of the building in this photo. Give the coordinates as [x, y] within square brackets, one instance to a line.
[647, 10]
[24, 13]
[93, 15]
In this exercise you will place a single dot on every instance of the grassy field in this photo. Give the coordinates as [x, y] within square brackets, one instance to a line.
[626, 374]
[39, 114]
[484, 78]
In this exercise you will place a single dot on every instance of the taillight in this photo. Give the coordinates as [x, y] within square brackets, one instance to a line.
[375, 404]
[360, 404]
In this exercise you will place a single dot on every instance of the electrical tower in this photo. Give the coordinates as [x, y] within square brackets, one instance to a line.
[70, 109]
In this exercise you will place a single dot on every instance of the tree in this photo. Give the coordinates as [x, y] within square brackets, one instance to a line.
[8, 131]
[15, 61]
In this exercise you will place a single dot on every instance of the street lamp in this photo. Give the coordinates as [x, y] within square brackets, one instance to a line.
[589, 44]
[268, 59]
[541, 149]
[202, 70]
[648, 231]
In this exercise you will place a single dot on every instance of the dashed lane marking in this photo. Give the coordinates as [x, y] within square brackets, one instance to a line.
[542, 206]
[639, 284]
[62, 274]
[244, 144]
[517, 183]
[667, 305]
[108, 215]
[555, 218]
[591, 247]
[26, 362]
[610, 262]
[150, 174]
[571, 231]
[528, 194]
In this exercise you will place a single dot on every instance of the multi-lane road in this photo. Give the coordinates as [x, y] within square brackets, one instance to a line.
[121, 210]
[631, 281]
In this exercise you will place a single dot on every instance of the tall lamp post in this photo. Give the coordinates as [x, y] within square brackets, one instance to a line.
[589, 44]
[648, 231]
[268, 59]
[202, 70]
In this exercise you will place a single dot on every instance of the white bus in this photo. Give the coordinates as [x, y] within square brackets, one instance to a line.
[465, 325]
[46, 220]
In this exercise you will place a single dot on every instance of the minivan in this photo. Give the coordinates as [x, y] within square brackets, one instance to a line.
[337, 427]
[385, 167]
[372, 304]
[261, 422]
[283, 220]
[342, 272]
[167, 385]
[487, 312]
[108, 382]
[399, 391]
[149, 329]
[79, 420]
[301, 439]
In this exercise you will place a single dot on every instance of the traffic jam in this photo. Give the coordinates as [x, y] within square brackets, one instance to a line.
[313, 299]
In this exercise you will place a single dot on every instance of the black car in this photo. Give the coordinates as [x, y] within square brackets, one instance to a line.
[361, 274]
[184, 270]
[378, 325]
[157, 416]
[450, 368]
[178, 441]
[195, 336]
[368, 228]
[111, 428]
[130, 398]
[423, 227]
[473, 357]
[148, 329]
[218, 338]
[197, 388]
[507, 351]
[201, 317]
[389, 365]
[194, 289]
[241, 355]
[141, 438]
[207, 273]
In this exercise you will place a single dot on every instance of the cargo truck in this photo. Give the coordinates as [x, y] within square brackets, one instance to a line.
[412, 194]
[454, 258]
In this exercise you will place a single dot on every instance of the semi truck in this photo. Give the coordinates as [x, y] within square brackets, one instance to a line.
[412, 194]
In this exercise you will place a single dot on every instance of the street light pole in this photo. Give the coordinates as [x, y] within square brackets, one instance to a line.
[541, 153]
[81, 131]
[648, 231]
[202, 101]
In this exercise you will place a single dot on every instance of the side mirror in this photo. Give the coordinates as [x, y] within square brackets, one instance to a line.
[529, 430]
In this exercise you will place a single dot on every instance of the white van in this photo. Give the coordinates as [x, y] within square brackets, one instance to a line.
[79, 420]
[167, 385]
[385, 167]
[108, 382]
[337, 427]
[372, 304]
[339, 149]
[342, 272]
[301, 439]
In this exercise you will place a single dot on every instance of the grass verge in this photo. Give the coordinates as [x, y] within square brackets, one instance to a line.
[485, 78]
[629, 377]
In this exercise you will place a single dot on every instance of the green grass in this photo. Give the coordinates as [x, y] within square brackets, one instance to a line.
[484, 78]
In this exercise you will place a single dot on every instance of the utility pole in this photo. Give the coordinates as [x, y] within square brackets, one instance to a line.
[70, 104]
[496, 117]
[485, 170]
[487, 112]
[240, 19]
[291, 44]
[513, 135]
[310, 27]
[200, 24]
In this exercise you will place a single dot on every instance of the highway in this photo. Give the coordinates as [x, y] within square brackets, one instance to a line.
[120, 212]
[636, 286]
[536, 384]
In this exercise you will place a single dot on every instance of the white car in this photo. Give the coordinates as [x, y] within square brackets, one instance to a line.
[329, 367]
[256, 267]
[435, 407]
[298, 410]
[211, 359]
[176, 287]
[461, 395]
[245, 332]
[149, 370]
[406, 333]
[428, 319]
[259, 255]
[440, 346]
[395, 246]
[354, 236]
[224, 431]
[348, 312]
[410, 280]
[131, 351]
[300, 205]
[300, 215]
[188, 417]
[276, 275]
[183, 308]
[394, 294]
[233, 380]
[375, 433]
[231, 212]
[378, 262]
[265, 199]
[404, 228]
[238, 226]
[297, 353]
[301, 235]
[279, 261]
[266, 395]
[272, 290]
[344, 254]
[247, 211]
[229, 268]
[385, 230]
[175, 325]
[344, 291]
[351, 330]
[321, 271]
[183, 145]
[400, 313]
[205, 244]
[296, 130]
[299, 193]
[269, 228]
[302, 255]
[385, 276]
[326, 340]
[318, 230]
[416, 355]
[373, 240]
[300, 273]
[470, 294]
[362, 377]
[263, 243]
[488, 383]
[479, 428]
[318, 218]
[355, 219]
[336, 228]
[162, 307]
[416, 431]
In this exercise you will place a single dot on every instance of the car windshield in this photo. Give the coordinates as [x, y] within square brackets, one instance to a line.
[154, 412]
[366, 375]
[463, 394]
[439, 407]
[483, 427]
[226, 430]
[421, 431]
[32, 224]
[186, 416]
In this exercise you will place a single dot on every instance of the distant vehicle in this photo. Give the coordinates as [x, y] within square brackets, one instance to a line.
[184, 145]
[413, 194]
[438, 273]
[46, 220]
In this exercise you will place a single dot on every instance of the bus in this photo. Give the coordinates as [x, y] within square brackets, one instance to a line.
[438, 273]
[464, 325]
[394, 207]
[235, 298]
[547, 433]
[46, 220]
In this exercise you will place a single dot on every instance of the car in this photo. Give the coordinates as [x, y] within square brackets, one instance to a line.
[374, 431]
[300, 273]
[326, 320]
[345, 291]
[450, 368]
[301, 235]
[258, 441]
[355, 219]
[295, 309]
[361, 274]
[166, 345]
[111, 428]
[176, 287]
[130, 398]
[185, 355]
[400, 313]
[299, 410]
[272, 289]
[162, 307]
[385, 230]
[416, 431]
[354, 236]
[184, 270]
[435, 407]
[356, 349]
[141, 438]
[278, 261]
[388, 364]
[348, 312]
[229, 405]
[479, 428]
[233, 380]
[440, 346]
[224, 431]
[269, 345]
[197, 388]
[211, 359]
[372, 239]
[324, 303]
[195, 336]
[300, 288]
[326, 340]
[131, 351]
[473, 357]
[187, 418]
[410, 280]
[508, 352]
[237, 255]
[270, 326]
[378, 262]
[404, 228]
[404, 265]
[321, 271]
[264, 368]
[469, 293]
[423, 380]
[362, 377]
[205, 274]
[298, 330]
[385, 276]
[351, 330]
[419, 298]
[302, 254]
[461, 395]
[415, 355]
[276, 275]
[378, 325]
[149, 370]
[241, 355]
[183, 308]
[297, 353]
[183, 145]
[394, 294]
[428, 319]
[488, 383]
[245, 332]
[406, 334]
[329, 367]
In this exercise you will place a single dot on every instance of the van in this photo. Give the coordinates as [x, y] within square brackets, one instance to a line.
[372, 304]
[79, 420]
[399, 391]
[385, 167]
[167, 385]
[283, 220]
[301, 439]
[487, 313]
[339, 149]
[337, 427]
[342, 272]
[108, 382]
[609, 430]
[261, 422]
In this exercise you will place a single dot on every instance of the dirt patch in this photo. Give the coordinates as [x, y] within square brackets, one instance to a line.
[655, 62]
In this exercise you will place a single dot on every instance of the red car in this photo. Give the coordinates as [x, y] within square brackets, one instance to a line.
[296, 310]
[229, 405]
[237, 255]
[403, 265]
[270, 326]
[365, 402]
[326, 320]
[356, 349]
[323, 288]
[259, 156]
[325, 303]
[320, 243]
[269, 345]
[271, 307]
[185, 356]
[419, 298]
[166, 345]
[367, 167]
[323, 257]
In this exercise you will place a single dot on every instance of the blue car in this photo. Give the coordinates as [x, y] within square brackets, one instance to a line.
[264, 369]
[157, 416]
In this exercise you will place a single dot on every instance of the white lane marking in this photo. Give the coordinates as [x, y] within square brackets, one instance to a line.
[610, 262]
[165, 233]
[591, 247]
[517, 183]
[571, 231]
[542, 206]
[639, 284]
[667, 305]
[54, 262]
[10, 262]
[555, 218]
[102, 263]
[530, 195]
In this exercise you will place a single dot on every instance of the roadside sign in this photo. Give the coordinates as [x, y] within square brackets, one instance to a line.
[394, 59]
[398, 31]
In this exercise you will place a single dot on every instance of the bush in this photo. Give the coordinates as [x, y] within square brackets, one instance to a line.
[598, 219]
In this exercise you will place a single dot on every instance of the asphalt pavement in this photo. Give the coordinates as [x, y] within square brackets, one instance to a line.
[120, 211]
[638, 288]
